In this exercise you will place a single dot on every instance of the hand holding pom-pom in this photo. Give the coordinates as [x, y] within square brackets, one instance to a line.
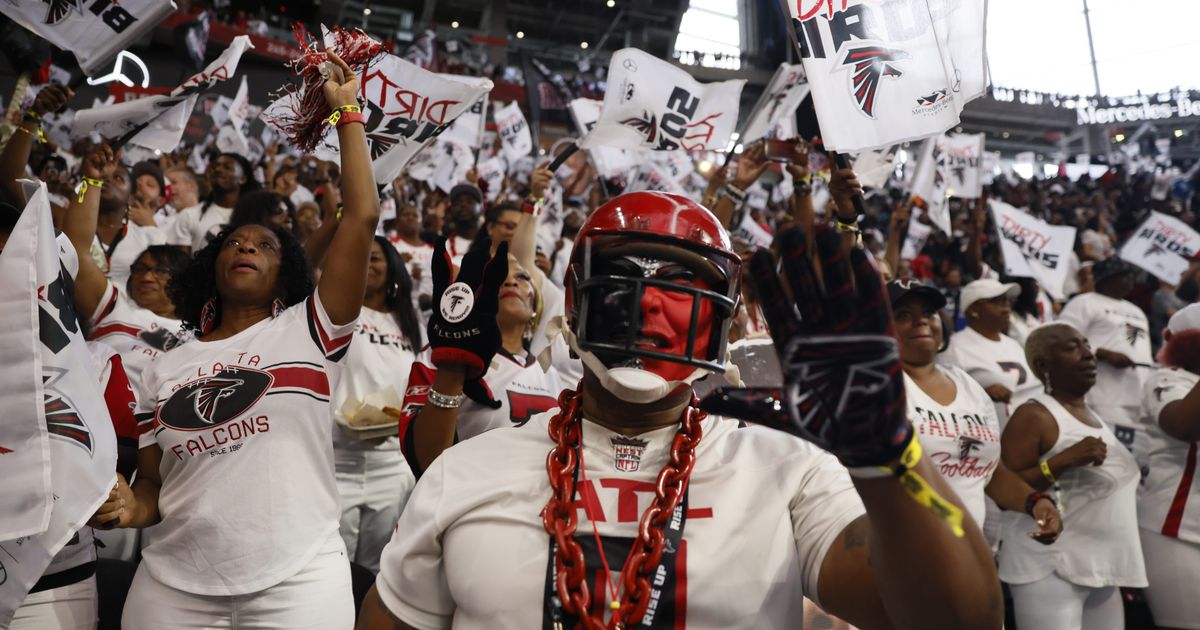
[341, 84]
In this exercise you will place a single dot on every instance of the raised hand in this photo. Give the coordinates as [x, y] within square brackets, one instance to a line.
[100, 163]
[51, 99]
[843, 389]
[462, 329]
[341, 86]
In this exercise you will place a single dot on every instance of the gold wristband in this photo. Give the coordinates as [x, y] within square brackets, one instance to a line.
[916, 486]
[344, 109]
[1046, 472]
[87, 183]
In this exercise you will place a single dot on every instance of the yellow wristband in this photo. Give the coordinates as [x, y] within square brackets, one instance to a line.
[921, 491]
[1046, 472]
[337, 113]
[87, 183]
[37, 135]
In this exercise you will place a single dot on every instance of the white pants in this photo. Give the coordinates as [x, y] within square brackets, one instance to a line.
[1173, 568]
[1053, 603]
[319, 597]
[70, 607]
[374, 486]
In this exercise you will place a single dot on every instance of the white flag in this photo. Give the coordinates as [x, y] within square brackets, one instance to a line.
[962, 165]
[405, 109]
[929, 184]
[157, 122]
[56, 435]
[652, 104]
[779, 101]
[677, 165]
[914, 239]
[468, 128]
[752, 232]
[1162, 245]
[95, 33]
[1033, 248]
[492, 171]
[514, 132]
[885, 73]
[610, 162]
[875, 168]
[239, 109]
[651, 176]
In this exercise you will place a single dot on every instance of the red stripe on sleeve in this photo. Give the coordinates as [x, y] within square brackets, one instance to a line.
[115, 329]
[108, 307]
[302, 378]
[118, 396]
[329, 345]
[1179, 503]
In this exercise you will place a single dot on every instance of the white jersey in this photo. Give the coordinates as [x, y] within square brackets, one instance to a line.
[124, 250]
[962, 439]
[1099, 545]
[139, 335]
[457, 247]
[993, 362]
[380, 357]
[519, 384]
[1119, 326]
[192, 229]
[248, 495]
[420, 267]
[763, 507]
[1169, 499]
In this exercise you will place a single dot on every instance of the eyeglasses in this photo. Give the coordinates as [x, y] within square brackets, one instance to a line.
[158, 271]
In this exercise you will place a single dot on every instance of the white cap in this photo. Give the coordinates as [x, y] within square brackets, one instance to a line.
[986, 290]
[1186, 318]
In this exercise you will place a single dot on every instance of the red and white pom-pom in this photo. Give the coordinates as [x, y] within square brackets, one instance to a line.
[302, 122]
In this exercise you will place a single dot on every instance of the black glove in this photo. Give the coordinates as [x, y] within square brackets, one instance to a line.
[843, 386]
[462, 329]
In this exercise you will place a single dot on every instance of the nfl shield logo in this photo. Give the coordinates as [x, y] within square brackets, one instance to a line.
[627, 453]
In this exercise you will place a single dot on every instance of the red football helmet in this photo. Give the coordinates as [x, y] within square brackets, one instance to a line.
[651, 239]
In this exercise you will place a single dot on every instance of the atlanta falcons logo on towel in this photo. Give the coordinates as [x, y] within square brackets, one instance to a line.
[870, 63]
[62, 418]
[646, 125]
[60, 9]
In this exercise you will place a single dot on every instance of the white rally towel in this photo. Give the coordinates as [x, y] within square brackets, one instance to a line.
[95, 33]
[1162, 245]
[751, 232]
[914, 239]
[51, 396]
[874, 168]
[778, 102]
[884, 73]
[962, 164]
[514, 132]
[652, 104]
[610, 162]
[1033, 248]
[405, 107]
[468, 128]
[929, 183]
[651, 176]
[157, 122]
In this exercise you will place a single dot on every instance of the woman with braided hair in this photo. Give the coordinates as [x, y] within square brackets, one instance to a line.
[631, 506]
[236, 466]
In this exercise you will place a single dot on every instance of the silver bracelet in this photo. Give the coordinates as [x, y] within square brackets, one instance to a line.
[445, 401]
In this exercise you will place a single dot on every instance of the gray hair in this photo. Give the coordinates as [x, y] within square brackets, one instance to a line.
[1039, 342]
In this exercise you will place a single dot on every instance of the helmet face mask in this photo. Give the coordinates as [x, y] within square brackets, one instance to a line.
[690, 290]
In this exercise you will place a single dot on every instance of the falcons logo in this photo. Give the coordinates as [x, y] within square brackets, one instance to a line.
[776, 101]
[60, 9]
[1154, 249]
[62, 419]
[381, 144]
[206, 397]
[966, 446]
[1132, 333]
[960, 172]
[870, 63]
[647, 125]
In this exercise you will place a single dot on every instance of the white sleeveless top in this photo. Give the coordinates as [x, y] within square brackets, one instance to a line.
[1099, 545]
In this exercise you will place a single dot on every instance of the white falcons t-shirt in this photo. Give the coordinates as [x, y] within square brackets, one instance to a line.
[248, 495]
[1119, 326]
[193, 229]
[993, 362]
[139, 335]
[380, 357]
[763, 507]
[1169, 497]
[961, 439]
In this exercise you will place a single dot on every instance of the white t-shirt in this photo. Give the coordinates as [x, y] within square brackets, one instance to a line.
[379, 357]
[993, 362]
[132, 244]
[420, 267]
[961, 439]
[1119, 326]
[1169, 499]
[763, 507]
[139, 335]
[248, 495]
[191, 229]
[457, 247]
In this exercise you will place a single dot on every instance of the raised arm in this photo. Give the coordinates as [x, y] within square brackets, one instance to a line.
[897, 227]
[975, 244]
[524, 244]
[344, 279]
[79, 224]
[15, 156]
[750, 166]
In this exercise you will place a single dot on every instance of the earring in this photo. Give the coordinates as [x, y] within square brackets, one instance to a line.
[1048, 387]
[208, 316]
[278, 307]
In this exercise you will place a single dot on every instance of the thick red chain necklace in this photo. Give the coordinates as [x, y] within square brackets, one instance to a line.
[561, 519]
